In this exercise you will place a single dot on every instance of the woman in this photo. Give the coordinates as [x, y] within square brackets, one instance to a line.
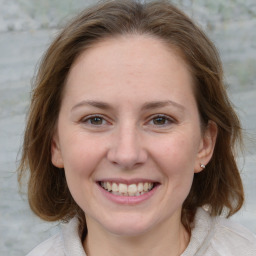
[131, 137]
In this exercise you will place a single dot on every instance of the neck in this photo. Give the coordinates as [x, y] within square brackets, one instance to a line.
[167, 239]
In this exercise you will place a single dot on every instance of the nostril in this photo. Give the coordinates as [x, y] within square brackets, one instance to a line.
[127, 152]
[126, 161]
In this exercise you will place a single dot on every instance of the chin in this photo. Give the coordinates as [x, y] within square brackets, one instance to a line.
[129, 226]
[128, 231]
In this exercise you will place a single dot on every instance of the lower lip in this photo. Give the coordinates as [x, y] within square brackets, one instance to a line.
[128, 200]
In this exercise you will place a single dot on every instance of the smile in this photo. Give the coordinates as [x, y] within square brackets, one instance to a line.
[121, 189]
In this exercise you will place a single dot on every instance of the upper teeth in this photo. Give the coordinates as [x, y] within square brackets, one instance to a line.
[124, 189]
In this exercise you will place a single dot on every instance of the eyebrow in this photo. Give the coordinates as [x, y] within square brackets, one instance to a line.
[96, 104]
[161, 104]
[145, 106]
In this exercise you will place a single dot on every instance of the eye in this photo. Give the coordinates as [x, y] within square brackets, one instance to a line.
[161, 120]
[95, 120]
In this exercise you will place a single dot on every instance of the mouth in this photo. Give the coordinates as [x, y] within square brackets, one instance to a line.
[122, 189]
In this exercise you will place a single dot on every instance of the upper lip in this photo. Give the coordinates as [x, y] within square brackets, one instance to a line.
[127, 181]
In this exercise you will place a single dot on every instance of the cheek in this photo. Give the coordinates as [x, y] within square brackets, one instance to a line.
[176, 157]
[80, 162]
[178, 151]
[80, 157]
[77, 148]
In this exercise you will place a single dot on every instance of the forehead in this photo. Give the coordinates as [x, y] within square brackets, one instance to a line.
[132, 64]
[132, 49]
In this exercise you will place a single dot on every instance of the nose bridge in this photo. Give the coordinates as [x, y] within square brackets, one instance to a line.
[127, 147]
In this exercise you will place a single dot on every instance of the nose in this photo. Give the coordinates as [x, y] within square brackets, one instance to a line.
[126, 149]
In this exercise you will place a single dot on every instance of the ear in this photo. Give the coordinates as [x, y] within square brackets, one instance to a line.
[57, 160]
[206, 147]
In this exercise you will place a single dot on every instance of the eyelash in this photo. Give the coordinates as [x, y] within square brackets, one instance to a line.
[164, 117]
[88, 120]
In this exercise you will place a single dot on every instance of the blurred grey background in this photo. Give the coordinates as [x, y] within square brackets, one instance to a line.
[26, 29]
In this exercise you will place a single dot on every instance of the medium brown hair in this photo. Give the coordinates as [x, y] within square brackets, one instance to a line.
[219, 186]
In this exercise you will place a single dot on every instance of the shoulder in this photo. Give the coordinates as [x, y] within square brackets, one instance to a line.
[51, 247]
[66, 242]
[230, 237]
[218, 236]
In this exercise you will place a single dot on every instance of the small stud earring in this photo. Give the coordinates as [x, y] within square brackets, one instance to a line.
[202, 166]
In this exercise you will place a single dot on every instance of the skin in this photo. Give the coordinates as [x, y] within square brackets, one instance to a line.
[129, 140]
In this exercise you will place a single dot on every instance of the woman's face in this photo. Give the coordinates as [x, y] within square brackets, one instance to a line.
[129, 136]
